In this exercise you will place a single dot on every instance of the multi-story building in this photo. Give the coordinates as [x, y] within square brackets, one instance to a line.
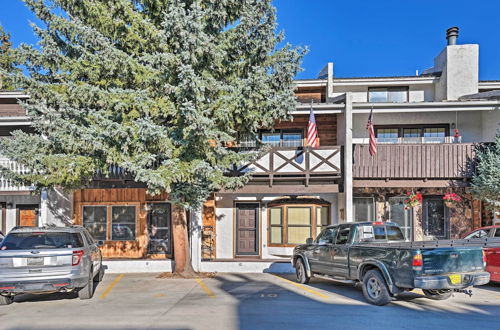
[427, 128]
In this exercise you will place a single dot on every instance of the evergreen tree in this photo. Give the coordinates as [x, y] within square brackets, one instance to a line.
[486, 184]
[160, 88]
[6, 60]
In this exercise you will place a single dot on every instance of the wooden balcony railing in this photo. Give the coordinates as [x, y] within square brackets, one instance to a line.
[7, 184]
[415, 161]
[303, 163]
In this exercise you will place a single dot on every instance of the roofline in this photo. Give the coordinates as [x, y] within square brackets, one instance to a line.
[13, 94]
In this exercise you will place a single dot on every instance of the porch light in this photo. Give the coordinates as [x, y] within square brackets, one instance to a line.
[146, 207]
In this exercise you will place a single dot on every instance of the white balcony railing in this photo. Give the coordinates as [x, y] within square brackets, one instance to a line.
[7, 184]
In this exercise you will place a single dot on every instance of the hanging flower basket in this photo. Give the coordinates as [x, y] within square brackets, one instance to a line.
[412, 200]
[451, 200]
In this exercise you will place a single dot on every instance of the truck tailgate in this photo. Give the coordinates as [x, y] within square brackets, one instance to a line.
[452, 260]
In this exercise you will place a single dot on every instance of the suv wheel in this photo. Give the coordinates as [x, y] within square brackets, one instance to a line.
[374, 288]
[98, 278]
[6, 300]
[437, 294]
[300, 271]
[88, 290]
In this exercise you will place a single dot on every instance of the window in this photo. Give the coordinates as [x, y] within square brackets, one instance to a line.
[282, 138]
[399, 215]
[276, 222]
[43, 240]
[479, 233]
[379, 232]
[299, 224]
[343, 235]
[435, 218]
[327, 236]
[428, 133]
[394, 233]
[497, 233]
[388, 94]
[364, 209]
[122, 223]
[387, 135]
[95, 221]
[293, 224]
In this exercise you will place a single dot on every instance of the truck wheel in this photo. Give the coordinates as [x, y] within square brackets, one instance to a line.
[300, 271]
[88, 290]
[6, 300]
[437, 294]
[374, 288]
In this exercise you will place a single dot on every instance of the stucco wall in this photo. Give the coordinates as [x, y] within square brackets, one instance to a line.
[491, 125]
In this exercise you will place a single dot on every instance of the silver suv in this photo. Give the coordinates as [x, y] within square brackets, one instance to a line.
[49, 259]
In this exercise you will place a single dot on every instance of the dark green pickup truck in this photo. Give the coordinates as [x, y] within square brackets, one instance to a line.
[376, 255]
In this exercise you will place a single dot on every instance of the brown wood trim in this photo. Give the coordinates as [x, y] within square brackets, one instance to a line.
[284, 189]
[284, 221]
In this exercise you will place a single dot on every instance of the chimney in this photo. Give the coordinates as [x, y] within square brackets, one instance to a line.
[452, 35]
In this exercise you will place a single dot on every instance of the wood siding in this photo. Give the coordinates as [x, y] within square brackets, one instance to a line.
[326, 124]
[416, 161]
[306, 94]
[126, 196]
[10, 108]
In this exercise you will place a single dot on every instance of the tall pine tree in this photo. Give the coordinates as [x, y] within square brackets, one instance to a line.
[486, 184]
[157, 87]
[6, 60]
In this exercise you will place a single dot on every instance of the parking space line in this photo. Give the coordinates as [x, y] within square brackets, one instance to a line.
[111, 286]
[205, 287]
[300, 286]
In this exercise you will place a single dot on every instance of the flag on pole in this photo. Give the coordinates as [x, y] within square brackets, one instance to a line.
[371, 132]
[312, 131]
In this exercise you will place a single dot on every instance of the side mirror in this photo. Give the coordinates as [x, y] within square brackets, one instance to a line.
[100, 243]
[309, 240]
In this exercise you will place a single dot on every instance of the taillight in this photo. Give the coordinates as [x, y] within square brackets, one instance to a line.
[484, 258]
[418, 262]
[377, 223]
[77, 257]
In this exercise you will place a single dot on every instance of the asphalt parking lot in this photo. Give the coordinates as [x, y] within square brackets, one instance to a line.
[244, 301]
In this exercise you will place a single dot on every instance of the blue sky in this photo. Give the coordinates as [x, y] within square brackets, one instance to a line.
[362, 37]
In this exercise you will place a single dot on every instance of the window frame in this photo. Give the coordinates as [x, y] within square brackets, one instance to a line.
[388, 90]
[284, 222]
[106, 222]
[109, 206]
[420, 127]
[284, 131]
[127, 223]
[373, 207]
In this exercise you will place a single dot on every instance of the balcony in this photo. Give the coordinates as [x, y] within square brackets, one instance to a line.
[7, 184]
[295, 165]
[415, 161]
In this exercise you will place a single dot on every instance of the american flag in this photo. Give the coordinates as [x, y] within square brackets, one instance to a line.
[371, 132]
[312, 131]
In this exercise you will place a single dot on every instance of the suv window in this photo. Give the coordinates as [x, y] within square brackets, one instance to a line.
[41, 240]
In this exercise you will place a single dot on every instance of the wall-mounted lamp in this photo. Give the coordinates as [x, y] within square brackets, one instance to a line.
[147, 207]
[453, 125]
[10, 205]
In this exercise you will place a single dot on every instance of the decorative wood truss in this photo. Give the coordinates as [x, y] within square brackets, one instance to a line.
[289, 164]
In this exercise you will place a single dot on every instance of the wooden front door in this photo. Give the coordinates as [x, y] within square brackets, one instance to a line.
[28, 216]
[247, 232]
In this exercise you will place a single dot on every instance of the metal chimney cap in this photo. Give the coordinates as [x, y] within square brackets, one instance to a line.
[452, 35]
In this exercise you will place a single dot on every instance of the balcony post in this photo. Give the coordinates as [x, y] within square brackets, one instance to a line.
[348, 158]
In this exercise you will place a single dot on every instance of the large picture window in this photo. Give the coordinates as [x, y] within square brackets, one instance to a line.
[95, 220]
[293, 224]
[423, 133]
[122, 223]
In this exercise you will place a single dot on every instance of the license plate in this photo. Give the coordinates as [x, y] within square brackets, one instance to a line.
[35, 261]
[455, 278]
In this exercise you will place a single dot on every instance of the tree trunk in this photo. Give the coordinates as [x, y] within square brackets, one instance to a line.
[182, 257]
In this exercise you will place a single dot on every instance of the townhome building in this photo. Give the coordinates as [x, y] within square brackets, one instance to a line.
[427, 129]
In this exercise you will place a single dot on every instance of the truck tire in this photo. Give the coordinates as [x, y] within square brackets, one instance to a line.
[375, 289]
[88, 290]
[300, 271]
[437, 294]
[6, 300]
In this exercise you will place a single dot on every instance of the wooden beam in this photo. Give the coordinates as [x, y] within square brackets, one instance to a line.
[284, 189]
[409, 183]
